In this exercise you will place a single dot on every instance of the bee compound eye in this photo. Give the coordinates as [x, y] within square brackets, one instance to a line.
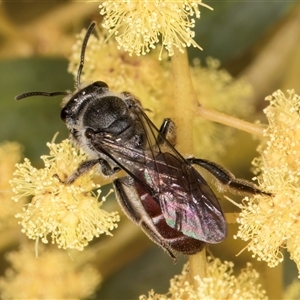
[100, 84]
[63, 114]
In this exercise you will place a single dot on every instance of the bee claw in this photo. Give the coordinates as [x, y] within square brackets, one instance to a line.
[58, 178]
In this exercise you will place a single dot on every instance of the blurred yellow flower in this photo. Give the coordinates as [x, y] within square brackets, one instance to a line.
[220, 283]
[52, 276]
[71, 214]
[272, 223]
[10, 154]
[139, 25]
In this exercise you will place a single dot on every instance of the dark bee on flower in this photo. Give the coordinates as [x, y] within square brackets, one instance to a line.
[163, 193]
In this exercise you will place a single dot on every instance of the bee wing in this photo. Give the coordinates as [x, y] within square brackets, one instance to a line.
[188, 204]
[192, 207]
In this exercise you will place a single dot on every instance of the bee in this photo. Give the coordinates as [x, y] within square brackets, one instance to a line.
[162, 192]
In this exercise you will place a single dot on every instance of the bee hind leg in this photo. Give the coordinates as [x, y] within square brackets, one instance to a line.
[132, 207]
[226, 179]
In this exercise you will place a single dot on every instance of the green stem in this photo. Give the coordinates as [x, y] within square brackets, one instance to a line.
[184, 101]
[197, 267]
[224, 119]
[185, 105]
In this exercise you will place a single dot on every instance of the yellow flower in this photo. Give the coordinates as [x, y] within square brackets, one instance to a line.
[71, 214]
[272, 223]
[220, 283]
[10, 154]
[139, 25]
[52, 276]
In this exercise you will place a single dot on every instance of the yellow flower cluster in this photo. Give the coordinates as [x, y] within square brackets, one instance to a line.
[10, 154]
[220, 283]
[71, 214]
[52, 276]
[272, 223]
[139, 25]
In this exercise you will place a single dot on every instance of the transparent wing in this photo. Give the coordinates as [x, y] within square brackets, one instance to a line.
[192, 207]
[188, 204]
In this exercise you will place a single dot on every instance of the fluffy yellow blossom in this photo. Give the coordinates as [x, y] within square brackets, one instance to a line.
[52, 276]
[70, 214]
[220, 283]
[272, 223]
[139, 25]
[10, 154]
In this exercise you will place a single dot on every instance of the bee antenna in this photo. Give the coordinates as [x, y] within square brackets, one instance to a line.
[46, 94]
[82, 54]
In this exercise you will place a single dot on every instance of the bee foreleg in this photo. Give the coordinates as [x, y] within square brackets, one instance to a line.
[106, 168]
[82, 169]
[86, 166]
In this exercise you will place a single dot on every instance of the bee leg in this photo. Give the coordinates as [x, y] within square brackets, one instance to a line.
[86, 166]
[226, 178]
[167, 132]
[106, 168]
[133, 208]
